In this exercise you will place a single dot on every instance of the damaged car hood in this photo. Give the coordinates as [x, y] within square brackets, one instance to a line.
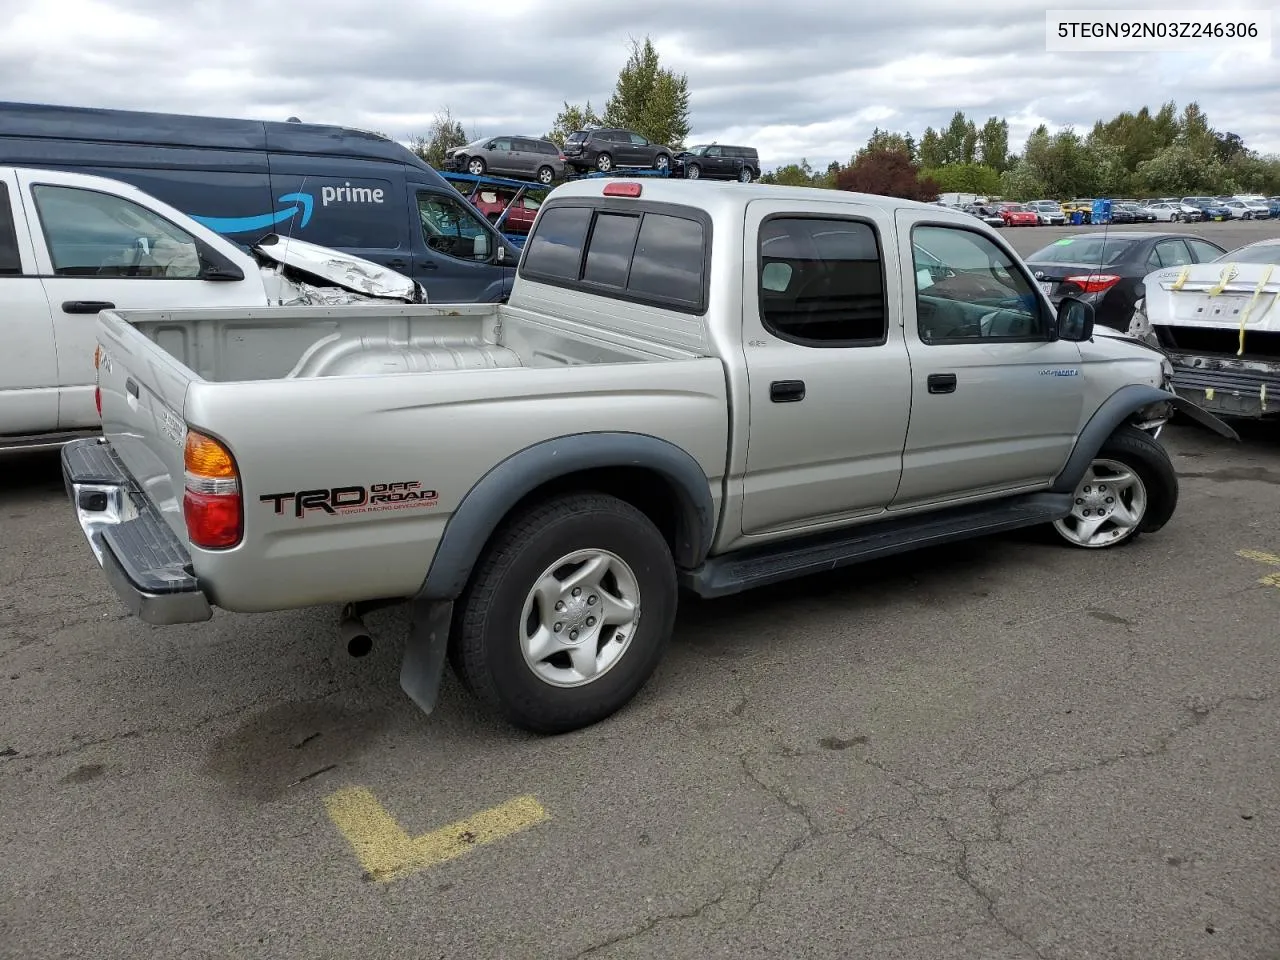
[1220, 295]
[316, 271]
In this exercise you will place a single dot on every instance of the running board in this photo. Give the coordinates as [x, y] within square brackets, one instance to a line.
[735, 572]
[26, 443]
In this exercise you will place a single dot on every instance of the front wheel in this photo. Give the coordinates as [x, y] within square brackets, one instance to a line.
[568, 614]
[476, 167]
[692, 171]
[1130, 488]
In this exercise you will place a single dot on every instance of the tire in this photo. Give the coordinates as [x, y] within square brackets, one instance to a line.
[499, 613]
[1148, 504]
[477, 167]
[662, 162]
[545, 175]
[604, 162]
[745, 175]
[692, 171]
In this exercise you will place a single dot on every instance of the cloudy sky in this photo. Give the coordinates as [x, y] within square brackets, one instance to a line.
[810, 78]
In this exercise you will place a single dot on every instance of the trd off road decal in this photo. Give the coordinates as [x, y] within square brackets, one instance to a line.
[347, 500]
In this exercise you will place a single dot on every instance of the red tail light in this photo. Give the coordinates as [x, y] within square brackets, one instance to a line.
[622, 190]
[1094, 282]
[211, 503]
[97, 400]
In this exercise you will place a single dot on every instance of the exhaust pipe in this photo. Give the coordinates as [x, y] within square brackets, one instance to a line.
[353, 632]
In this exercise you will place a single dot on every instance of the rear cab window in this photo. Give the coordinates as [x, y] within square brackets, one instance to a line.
[654, 254]
[10, 261]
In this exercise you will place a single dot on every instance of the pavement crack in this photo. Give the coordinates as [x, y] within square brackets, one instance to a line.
[689, 913]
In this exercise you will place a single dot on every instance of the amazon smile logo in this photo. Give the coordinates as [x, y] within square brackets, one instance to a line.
[299, 205]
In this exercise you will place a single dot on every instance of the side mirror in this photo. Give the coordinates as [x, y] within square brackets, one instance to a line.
[1075, 320]
[214, 266]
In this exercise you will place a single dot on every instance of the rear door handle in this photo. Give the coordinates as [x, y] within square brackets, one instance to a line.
[397, 264]
[786, 391]
[942, 383]
[86, 306]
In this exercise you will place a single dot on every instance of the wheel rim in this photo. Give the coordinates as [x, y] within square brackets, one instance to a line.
[594, 598]
[604, 162]
[475, 168]
[661, 163]
[1109, 504]
[745, 176]
[546, 175]
[693, 171]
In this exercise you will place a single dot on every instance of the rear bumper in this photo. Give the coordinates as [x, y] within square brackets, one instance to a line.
[1228, 387]
[146, 564]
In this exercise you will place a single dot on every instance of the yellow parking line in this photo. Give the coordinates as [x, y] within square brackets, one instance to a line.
[1271, 580]
[387, 852]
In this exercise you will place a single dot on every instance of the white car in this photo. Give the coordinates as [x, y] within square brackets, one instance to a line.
[1249, 208]
[1164, 212]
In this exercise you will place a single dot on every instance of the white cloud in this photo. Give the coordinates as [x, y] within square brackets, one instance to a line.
[810, 79]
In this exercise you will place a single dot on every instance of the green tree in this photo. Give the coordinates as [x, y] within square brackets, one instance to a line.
[1181, 170]
[442, 135]
[571, 119]
[650, 99]
[993, 144]
[795, 175]
[885, 140]
[964, 178]
[959, 140]
[931, 153]
[1020, 182]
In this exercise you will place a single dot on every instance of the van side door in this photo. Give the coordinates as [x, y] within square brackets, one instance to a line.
[96, 251]
[28, 360]
[354, 206]
[458, 256]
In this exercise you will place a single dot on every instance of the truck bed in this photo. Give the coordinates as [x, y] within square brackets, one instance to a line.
[313, 398]
[229, 346]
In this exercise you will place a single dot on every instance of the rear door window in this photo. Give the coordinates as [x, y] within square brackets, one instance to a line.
[555, 250]
[669, 260]
[613, 241]
[10, 262]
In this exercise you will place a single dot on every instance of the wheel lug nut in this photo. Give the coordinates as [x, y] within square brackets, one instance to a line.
[559, 604]
[576, 591]
[558, 627]
[591, 621]
[573, 634]
[1111, 499]
[1078, 500]
[591, 600]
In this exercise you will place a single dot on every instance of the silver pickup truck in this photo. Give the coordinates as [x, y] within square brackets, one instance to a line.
[693, 385]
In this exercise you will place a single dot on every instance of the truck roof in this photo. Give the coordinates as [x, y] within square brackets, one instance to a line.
[708, 193]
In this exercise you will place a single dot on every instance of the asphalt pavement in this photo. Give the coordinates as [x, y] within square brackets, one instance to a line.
[1003, 749]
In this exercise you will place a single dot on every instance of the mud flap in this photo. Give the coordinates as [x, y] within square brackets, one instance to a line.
[424, 654]
[1204, 418]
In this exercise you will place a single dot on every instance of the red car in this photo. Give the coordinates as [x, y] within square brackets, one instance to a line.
[491, 201]
[1016, 215]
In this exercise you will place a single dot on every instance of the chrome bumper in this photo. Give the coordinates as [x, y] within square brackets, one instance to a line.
[146, 564]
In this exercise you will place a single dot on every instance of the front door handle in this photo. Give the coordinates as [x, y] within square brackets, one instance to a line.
[942, 383]
[397, 264]
[86, 306]
[786, 391]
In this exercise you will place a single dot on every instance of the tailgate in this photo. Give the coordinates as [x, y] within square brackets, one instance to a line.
[143, 391]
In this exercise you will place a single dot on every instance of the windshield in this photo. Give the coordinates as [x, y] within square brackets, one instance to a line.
[697, 151]
[1093, 251]
[1015, 208]
[1266, 252]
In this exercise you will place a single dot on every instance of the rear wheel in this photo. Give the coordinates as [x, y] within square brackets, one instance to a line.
[604, 163]
[745, 175]
[662, 162]
[1130, 488]
[546, 174]
[550, 632]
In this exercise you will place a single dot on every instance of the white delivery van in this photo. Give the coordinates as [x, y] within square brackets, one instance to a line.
[72, 245]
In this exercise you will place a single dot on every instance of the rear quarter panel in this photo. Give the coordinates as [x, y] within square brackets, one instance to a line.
[443, 431]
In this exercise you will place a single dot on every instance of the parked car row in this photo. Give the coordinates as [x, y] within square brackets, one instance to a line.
[602, 150]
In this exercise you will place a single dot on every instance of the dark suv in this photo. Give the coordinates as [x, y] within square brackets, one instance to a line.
[716, 161]
[607, 147]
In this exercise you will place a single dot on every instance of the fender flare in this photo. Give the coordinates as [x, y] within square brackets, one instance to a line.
[487, 503]
[1115, 410]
